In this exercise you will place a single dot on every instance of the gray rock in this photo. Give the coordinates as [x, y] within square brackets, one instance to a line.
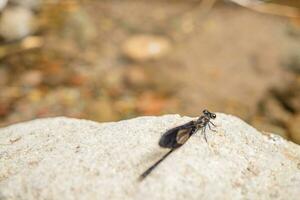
[61, 158]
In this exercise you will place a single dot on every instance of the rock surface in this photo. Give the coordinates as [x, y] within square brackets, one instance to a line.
[61, 158]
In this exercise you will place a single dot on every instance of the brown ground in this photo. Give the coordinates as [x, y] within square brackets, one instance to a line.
[228, 61]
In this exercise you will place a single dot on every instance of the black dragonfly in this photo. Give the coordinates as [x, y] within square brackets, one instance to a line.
[177, 136]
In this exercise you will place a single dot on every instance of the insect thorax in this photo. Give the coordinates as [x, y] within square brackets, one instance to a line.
[202, 121]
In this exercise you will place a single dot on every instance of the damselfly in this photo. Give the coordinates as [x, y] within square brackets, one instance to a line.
[177, 136]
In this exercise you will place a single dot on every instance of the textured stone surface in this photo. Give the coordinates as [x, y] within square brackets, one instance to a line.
[61, 158]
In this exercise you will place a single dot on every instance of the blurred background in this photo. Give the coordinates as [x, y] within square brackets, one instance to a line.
[108, 60]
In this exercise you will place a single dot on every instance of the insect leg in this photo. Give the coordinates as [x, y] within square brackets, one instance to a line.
[203, 132]
[212, 124]
[211, 128]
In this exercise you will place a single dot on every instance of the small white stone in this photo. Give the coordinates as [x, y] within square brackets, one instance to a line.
[2, 4]
[16, 23]
[146, 47]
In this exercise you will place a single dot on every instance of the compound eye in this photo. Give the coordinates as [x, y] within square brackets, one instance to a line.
[213, 115]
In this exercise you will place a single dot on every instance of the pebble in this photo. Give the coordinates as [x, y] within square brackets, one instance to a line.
[32, 78]
[16, 23]
[293, 62]
[32, 42]
[264, 125]
[112, 81]
[79, 27]
[146, 47]
[31, 4]
[291, 95]
[294, 128]
[55, 74]
[126, 106]
[275, 110]
[151, 104]
[135, 76]
[294, 97]
[2, 4]
[101, 110]
[3, 76]
[77, 79]
[4, 108]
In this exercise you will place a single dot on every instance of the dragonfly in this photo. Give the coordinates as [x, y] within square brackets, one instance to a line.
[177, 136]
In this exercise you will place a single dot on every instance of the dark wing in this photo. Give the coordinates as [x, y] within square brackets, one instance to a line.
[177, 136]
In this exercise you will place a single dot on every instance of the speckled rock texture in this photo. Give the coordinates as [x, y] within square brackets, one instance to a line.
[62, 158]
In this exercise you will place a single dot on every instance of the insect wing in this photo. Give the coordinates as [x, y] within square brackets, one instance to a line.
[177, 136]
[183, 135]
